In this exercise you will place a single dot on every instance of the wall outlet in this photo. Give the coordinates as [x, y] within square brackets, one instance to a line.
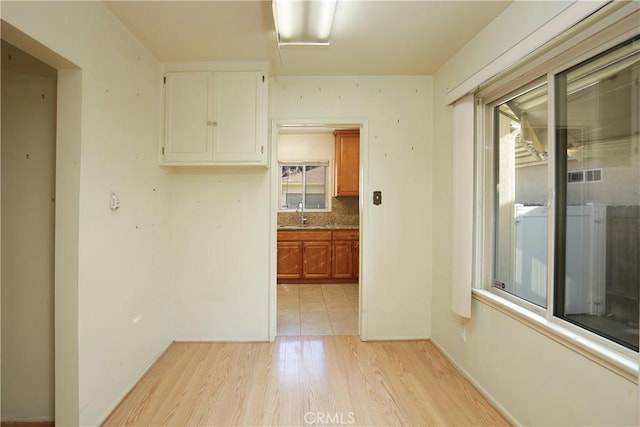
[463, 333]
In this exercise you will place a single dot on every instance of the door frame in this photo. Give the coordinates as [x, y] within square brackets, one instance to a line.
[363, 125]
[67, 208]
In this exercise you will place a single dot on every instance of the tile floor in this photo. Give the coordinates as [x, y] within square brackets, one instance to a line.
[317, 309]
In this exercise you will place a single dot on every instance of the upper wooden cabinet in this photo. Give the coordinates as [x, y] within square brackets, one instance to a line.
[347, 162]
[214, 117]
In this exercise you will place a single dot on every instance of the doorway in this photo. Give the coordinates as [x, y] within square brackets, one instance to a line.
[29, 98]
[325, 298]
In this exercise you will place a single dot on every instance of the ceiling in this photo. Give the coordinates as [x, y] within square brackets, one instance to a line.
[369, 37]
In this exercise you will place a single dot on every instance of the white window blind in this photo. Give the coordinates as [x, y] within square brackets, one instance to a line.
[463, 184]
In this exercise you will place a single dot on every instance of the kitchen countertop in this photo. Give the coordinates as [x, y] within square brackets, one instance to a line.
[316, 227]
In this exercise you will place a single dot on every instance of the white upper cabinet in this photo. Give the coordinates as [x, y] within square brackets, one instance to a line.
[214, 116]
[188, 112]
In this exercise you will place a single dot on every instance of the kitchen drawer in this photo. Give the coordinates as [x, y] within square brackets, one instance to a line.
[346, 234]
[306, 236]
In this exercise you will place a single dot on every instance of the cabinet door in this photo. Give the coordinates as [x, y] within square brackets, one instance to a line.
[342, 266]
[240, 130]
[187, 130]
[289, 260]
[317, 260]
[347, 162]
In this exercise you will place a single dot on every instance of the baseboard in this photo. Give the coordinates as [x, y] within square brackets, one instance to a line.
[503, 411]
[27, 423]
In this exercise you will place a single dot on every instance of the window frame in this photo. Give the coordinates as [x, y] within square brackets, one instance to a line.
[304, 164]
[508, 85]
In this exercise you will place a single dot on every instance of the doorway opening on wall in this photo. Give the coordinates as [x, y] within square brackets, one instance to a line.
[63, 320]
[318, 210]
[29, 114]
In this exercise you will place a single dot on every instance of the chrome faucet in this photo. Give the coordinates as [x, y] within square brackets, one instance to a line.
[300, 210]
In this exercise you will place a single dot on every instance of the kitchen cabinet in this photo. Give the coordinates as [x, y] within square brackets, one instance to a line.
[289, 260]
[316, 260]
[347, 164]
[346, 254]
[304, 254]
[214, 117]
[321, 256]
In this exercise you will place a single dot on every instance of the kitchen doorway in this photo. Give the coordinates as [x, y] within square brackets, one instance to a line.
[317, 229]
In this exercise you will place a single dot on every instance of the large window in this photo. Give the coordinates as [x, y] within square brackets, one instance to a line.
[566, 205]
[304, 185]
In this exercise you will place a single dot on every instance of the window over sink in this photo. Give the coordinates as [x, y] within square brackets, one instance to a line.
[304, 186]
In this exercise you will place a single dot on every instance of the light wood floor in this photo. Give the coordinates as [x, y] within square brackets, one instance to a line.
[312, 380]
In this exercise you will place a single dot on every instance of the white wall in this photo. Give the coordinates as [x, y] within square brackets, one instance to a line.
[396, 251]
[221, 218]
[28, 189]
[294, 147]
[220, 254]
[122, 285]
[533, 378]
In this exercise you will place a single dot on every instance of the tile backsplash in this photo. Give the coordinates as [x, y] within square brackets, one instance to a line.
[344, 212]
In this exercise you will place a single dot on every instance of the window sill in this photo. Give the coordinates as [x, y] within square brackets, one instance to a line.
[616, 361]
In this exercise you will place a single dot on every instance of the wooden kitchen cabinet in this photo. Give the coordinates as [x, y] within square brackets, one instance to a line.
[342, 266]
[346, 254]
[347, 165]
[214, 118]
[316, 260]
[317, 256]
[304, 254]
[289, 260]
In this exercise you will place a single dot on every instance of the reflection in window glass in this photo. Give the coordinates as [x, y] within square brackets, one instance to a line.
[314, 187]
[291, 186]
[521, 194]
[598, 273]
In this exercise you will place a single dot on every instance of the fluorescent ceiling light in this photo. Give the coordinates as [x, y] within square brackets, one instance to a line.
[303, 22]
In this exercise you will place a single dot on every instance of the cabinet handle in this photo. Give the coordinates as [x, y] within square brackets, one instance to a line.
[211, 123]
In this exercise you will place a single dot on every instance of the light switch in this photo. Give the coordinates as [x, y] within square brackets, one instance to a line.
[377, 197]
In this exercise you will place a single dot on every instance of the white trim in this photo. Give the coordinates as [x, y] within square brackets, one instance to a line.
[548, 31]
[214, 66]
[611, 356]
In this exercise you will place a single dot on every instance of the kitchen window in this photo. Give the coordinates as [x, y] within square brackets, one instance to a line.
[561, 174]
[304, 186]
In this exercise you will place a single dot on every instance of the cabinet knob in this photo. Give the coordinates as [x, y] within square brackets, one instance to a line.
[211, 123]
